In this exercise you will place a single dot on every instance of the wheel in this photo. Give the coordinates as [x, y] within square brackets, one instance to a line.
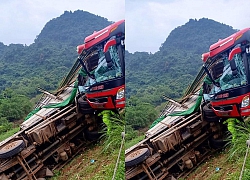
[211, 118]
[209, 114]
[137, 157]
[217, 143]
[208, 111]
[92, 135]
[83, 104]
[84, 107]
[12, 149]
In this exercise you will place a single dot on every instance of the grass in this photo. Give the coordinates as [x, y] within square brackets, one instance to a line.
[229, 160]
[9, 133]
[93, 164]
[134, 141]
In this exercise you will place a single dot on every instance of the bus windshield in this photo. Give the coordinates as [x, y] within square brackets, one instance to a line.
[101, 70]
[230, 79]
[105, 71]
[227, 78]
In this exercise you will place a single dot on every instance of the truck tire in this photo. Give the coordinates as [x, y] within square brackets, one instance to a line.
[217, 143]
[209, 114]
[137, 157]
[12, 149]
[208, 111]
[84, 106]
[92, 135]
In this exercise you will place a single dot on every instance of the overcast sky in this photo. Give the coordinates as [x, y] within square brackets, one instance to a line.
[148, 22]
[22, 20]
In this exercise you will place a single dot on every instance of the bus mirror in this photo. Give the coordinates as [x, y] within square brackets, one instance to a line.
[108, 58]
[205, 56]
[233, 67]
[80, 48]
[111, 42]
[233, 52]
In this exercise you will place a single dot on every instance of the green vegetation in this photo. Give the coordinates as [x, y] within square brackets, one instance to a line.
[134, 141]
[13, 107]
[8, 133]
[237, 151]
[227, 163]
[170, 70]
[42, 64]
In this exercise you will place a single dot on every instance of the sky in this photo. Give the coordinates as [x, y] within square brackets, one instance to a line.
[22, 20]
[148, 22]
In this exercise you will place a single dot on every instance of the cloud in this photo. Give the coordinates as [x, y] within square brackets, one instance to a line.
[22, 21]
[149, 22]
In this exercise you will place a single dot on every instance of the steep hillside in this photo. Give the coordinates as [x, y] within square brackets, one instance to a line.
[169, 71]
[176, 63]
[45, 62]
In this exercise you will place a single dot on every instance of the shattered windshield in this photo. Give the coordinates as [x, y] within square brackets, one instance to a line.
[226, 78]
[231, 79]
[98, 66]
[106, 71]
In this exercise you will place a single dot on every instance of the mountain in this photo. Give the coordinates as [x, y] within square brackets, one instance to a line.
[175, 65]
[71, 28]
[45, 62]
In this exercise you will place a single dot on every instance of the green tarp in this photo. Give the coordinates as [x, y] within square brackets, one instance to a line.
[67, 101]
[32, 113]
[157, 121]
[189, 111]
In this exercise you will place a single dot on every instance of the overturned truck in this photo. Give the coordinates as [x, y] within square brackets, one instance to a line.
[65, 122]
[196, 126]
[175, 146]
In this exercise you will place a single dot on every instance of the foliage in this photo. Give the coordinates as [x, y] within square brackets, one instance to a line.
[13, 106]
[170, 70]
[135, 140]
[8, 133]
[237, 150]
[130, 133]
[139, 114]
[113, 139]
[238, 147]
[44, 63]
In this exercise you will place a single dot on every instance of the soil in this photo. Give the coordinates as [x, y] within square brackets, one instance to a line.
[86, 165]
[215, 167]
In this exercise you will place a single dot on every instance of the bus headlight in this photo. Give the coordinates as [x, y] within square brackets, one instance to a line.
[120, 93]
[245, 101]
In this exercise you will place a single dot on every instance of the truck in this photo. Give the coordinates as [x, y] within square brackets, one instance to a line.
[65, 122]
[194, 127]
